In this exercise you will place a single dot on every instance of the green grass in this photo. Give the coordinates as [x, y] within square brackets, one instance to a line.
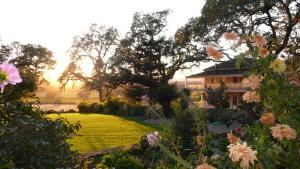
[101, 131]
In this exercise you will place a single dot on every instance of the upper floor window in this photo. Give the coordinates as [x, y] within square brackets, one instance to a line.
[235, 80]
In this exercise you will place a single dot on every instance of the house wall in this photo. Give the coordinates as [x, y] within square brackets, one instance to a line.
[234, 91]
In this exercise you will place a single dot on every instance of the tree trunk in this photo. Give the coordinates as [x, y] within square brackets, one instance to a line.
[100, 92]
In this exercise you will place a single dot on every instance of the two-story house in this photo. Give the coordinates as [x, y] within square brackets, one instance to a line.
[211, 77]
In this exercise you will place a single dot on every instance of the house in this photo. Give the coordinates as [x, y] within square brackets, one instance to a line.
[211, 77]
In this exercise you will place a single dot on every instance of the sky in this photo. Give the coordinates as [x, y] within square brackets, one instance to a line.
[54, 23]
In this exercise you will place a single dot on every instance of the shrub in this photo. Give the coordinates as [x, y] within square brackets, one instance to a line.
[30, 140]
[113, 105]
[90, 108]
[83, 108]
[187, 124]
[230, 116]
[164, 94]
[120, 160]
[135, 109]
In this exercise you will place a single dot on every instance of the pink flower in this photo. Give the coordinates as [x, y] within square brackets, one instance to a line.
[281, 131]
[9, 74]
[294, 80]
[253, 81]
[242, 152]
[263, 52]
[211, 51]
[152, 138]
[260, 41]
[230, 36]
[251, 97]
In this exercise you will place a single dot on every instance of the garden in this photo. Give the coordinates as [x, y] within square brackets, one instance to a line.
[153, 124]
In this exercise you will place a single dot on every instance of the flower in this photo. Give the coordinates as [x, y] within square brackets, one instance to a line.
[242, 152]
[281, 131]
[9, 74]
[215, 156]
[230, 36]
[152, 138]
[211, 51]
[267, 119]
[253, 81]
[232, 138]
[251, 97]
[294, 80]
[263, 52]
[260, 41]
[200, 140]
[205, 166]
[277, 65]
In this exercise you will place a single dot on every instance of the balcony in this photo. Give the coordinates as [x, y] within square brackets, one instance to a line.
[231, 87]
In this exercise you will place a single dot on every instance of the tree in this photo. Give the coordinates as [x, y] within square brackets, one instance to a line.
[217, 97]
[146, 57]
[97, 46]
[276, 19]
[32, 62]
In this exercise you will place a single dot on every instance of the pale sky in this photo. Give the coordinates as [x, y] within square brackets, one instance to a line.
[54, 23]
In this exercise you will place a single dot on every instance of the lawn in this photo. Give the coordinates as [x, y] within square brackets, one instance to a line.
[101, 131]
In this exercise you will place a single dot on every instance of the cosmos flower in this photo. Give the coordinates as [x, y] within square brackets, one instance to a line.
[152, 138]
[263, 52]
[242, 152]
[260, 41]
[267, 119]
[230, 36]
[281, 131]
[277, 65]
[251, 97]
[253, 81]
[205, 166]
[9, 74]
[294, 79]
[232, 138]
[211, 51]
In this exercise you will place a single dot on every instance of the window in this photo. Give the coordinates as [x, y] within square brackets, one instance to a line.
[234, 100]
[235, 80]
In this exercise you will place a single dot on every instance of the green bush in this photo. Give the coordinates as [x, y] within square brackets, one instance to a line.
[135, 109]
[90, 108]
[120, 160]
[187, 124]
[230, 116]
[113, 105]
[29, 139]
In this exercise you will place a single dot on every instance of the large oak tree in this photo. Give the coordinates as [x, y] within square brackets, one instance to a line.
[147, 57]
[96, 46]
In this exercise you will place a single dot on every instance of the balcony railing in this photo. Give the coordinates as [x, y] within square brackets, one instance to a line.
[230, 86]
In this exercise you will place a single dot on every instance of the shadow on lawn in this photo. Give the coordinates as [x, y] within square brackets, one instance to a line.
[139, 120]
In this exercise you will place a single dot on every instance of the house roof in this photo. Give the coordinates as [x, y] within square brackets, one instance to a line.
[227, 68]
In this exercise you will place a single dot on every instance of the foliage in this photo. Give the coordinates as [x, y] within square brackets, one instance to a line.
[90, 107]
[146, 57]
[120, 160]
[164, 94]
[278, 20]
[217, 97]
[32, 61]
[30, 140]
[231, 116]
[135, 92]
[114, 105]
[95, 46]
